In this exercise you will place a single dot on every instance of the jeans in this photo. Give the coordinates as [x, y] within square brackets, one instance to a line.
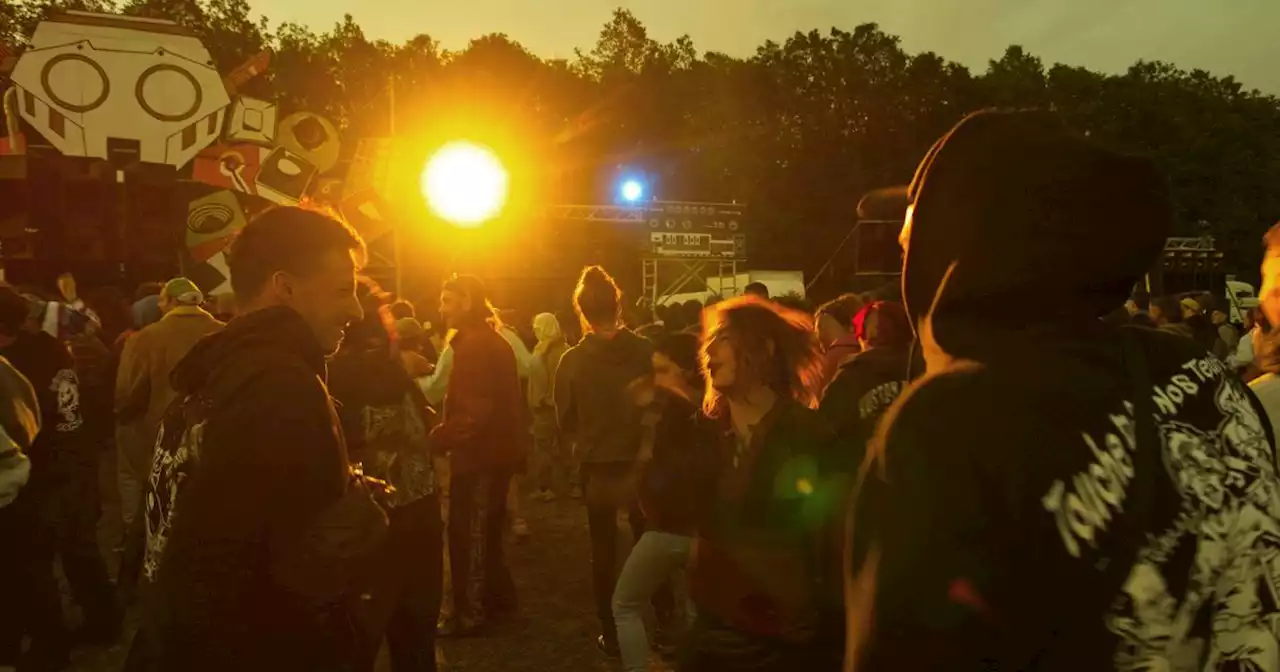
[477, 521]
[654, 558]
[73, 515]
[550, 466]
[605, 497]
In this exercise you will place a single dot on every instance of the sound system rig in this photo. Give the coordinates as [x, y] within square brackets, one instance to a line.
[63, 209]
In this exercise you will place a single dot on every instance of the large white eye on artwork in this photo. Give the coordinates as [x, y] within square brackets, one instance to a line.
[75, 83]
[168, 93]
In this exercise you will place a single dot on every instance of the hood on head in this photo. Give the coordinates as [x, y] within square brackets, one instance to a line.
[547, 328]
[1029, 222]
[249, 343]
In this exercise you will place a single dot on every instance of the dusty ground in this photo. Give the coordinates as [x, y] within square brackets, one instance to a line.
[557, 628]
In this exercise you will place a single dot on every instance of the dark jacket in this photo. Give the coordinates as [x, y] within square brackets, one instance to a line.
[859, 394]
[1055, 493]
[384, 419]
[482, 426]
[63, 439]
[763, 560]
[675, 484]
[591, 395]
[256, 529]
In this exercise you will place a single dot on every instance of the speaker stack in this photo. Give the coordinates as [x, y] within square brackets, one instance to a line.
[65, 210]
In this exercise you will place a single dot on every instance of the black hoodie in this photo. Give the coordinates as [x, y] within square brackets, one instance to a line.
[249, 558]
[1054, 493]
[591, 395]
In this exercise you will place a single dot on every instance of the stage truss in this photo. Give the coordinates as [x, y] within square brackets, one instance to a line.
[666, 275]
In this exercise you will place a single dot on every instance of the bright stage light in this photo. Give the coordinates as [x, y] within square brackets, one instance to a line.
[631, 190]
[465, 184]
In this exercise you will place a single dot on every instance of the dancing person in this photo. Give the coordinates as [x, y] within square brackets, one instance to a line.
[482, 431]
[383, 416]
[676, 469]
[763, 578]
[258, 529]
[1054, 493]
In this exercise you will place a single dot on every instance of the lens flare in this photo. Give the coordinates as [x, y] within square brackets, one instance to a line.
[465, 184]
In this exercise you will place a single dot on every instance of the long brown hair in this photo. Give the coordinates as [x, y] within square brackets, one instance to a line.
[775, 342]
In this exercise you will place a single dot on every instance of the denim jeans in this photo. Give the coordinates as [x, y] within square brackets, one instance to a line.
[654, 558]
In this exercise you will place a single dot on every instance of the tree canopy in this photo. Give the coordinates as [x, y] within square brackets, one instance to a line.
[799, 129]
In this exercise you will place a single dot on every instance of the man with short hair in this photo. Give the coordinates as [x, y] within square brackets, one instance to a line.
[757, 289]
[257, 525]
[1056, 493]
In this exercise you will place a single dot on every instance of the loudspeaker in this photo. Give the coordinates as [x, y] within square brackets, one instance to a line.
[153, 214]
[87, 229]
[15, 203]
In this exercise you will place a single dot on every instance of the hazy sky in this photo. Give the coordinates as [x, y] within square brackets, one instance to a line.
[1235, 37]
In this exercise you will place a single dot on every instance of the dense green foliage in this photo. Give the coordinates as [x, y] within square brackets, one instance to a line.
[799, 129]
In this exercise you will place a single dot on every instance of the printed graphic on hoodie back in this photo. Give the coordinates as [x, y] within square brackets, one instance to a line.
[1203, 594]
[171, 465]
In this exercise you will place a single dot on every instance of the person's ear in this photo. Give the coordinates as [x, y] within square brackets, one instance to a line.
[282, 286]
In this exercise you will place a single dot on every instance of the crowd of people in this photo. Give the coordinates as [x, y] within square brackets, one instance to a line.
[951, 479]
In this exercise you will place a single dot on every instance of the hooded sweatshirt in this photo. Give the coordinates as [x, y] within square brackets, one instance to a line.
[591, 395]
[255, 528]
[63, 441]
[544, 362]
[19, 423]
[1054, 493]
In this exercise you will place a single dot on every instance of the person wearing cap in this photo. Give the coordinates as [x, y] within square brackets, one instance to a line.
[143, 391]
[1054, 493]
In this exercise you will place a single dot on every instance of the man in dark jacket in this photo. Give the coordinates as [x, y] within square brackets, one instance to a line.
[63, 487]
[1055, 493]
[256, 525]
[593, 406]
[481, 430]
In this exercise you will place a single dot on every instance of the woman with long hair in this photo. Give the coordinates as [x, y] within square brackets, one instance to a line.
[764, 577]
[385, 420]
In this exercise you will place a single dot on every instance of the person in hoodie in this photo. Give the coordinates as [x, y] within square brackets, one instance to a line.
[867, 384]
[1109, 507]
[594, 407]
[64, 465]
[258, 530]
[550, 465]
[384, 419]
[763, 576]
[482, 430]
[23, 569]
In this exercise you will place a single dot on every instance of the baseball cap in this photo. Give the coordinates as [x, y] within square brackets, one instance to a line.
[407, 327]
[182, 291]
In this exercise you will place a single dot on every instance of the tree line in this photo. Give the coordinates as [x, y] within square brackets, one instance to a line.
[799, 129]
